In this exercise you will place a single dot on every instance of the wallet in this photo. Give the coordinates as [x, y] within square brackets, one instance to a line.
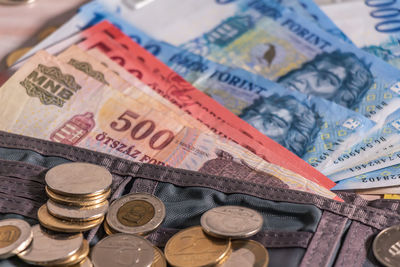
[300, 229]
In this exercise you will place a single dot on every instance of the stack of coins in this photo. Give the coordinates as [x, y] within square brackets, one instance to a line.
[56, 249]
[78, 195]
[219, 240]
[136, 213]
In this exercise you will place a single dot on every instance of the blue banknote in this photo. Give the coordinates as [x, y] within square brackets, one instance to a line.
[389, 176]
[375, 26]
[309, 126]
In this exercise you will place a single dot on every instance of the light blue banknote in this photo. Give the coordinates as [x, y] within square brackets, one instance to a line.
[374, 151]
[309, 126]
[389, 176]
[372, 25]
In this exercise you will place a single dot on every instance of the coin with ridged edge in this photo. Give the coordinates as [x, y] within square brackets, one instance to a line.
[75, 201]
[247, 253]
[192, 247]
[136, 213]
[78, 179]
[16, 2]
[49, 247]
[386, 246]
[159, 258]
[71, 213]
[55, 224]
[231, 222]
[122, 250]
[15, 236]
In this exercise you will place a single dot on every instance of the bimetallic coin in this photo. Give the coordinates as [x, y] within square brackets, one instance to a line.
[122, 250]
[55, 224]
[247, 253]
[386, 246]
[192, 247]
[72, 213]
[15, 236]
[79, 202]
[16, 2]
[231, 222]
[48, 248]
[159, 258]
[78, 179]
[137, 213]
[15, 55]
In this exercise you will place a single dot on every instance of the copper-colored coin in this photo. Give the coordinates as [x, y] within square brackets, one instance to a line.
[159, 258]
[79, 256]
[135, 213]
[59, 225]
[15, 55]
[192, 247]
[247, 253]
[74, 201]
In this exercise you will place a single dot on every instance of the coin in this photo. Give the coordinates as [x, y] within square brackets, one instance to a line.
[231, 222]
[15, 236]
[55, 224]
[79, 256]
[386, 246]
[122, 250]
[46, 32]
[192, 247]
[137, 213]
[108, 229]
[77, 213]
[159, 258]
[17, 54]
[75, 201]
[78, 179]
[47, 248]
[85, 263]
[15, 2]
[247, 253]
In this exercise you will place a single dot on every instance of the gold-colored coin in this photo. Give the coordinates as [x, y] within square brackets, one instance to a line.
[76, 258]
[17, 54]
[159, 258]
[85, 263]
[59, 225]
[135, 213]
[247, 253]
[191, 247]
[74, 201]
[16, 2]
[46, 32]
[8, 235]
[108, 229]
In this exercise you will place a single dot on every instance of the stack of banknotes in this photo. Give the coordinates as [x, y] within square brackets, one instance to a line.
[267, 91]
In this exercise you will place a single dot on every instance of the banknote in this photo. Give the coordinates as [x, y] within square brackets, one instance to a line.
[240, 91]
[92, 12]
[52, 100]
[385, 177]
[171, 86]
[374, 27]
[380, 191]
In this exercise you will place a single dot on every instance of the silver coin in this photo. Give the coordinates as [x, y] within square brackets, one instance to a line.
[386, 246]
[16, 2]
[15, 236]
[137, 213]
[78, 179]
[47, 248]
[122, 250]
[77, 213]
[231, 221]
